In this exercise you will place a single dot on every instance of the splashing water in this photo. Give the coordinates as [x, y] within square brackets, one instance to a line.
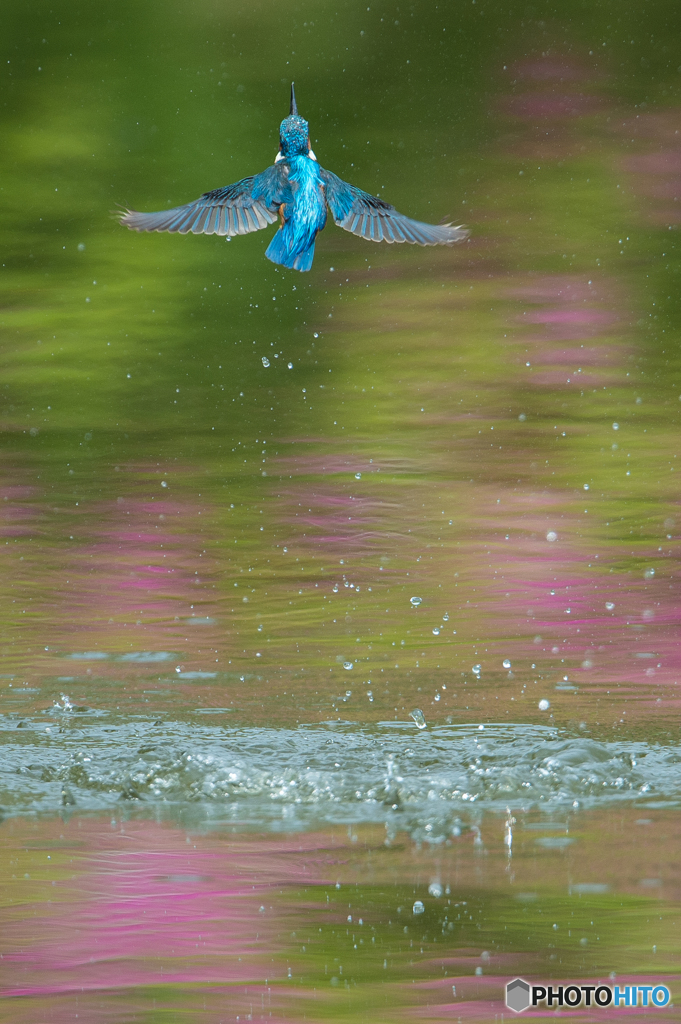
[418, 717]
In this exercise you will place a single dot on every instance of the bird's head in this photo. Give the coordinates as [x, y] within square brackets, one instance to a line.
[294, 134]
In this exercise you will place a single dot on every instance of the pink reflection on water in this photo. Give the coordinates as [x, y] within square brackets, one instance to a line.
[144, 905]
[21, 520]
[337, 519]
[614, 633]
[551, 96]
[311, 462]
[570, 309]
[117, 575]
[547, 95]
[654, 172]
[555, 107]
[570, 316]
[543, 288]
[137, 571]
[550, 67]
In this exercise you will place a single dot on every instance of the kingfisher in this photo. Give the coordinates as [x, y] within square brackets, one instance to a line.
[297, 191]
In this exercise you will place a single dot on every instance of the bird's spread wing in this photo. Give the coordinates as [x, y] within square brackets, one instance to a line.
[247, 205]
[369, 217]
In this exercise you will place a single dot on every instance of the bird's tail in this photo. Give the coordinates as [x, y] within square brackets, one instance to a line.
[279, 252]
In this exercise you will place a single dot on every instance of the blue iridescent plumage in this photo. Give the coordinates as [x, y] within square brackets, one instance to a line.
[297, 191]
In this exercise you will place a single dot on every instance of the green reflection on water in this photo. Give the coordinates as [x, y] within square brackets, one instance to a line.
[463, 940]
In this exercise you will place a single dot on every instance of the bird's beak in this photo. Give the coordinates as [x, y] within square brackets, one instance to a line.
[294, 108]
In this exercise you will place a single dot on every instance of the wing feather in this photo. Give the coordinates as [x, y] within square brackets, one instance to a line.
[185, 223]
[199, 222]
[247, 205]
[244, 225]
[213, 221]
[388, 231]
[372, 218]
[257, 213]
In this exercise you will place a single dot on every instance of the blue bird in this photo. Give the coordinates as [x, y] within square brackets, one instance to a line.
[297, 190]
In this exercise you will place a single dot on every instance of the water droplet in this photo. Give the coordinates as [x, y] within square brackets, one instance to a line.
[544, 705]
[609, 605]
[418, 907]
[648, 574]
[265, 361]
[506, 663]
[335, 588]
[445, 617]
[164, 483]
[347, 665]
[436, 632]
[615, 426]
[586, 487]
[476, 669]
[522, 417]
[358, 476]
[290, 366]
[418, 717]
[316, 335]
[415, 601]
[435, 889]
[551, 535]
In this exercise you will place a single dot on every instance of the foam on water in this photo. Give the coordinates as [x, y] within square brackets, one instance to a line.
[303, 778]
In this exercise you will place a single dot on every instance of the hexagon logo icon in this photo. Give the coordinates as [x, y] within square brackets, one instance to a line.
[517, 995]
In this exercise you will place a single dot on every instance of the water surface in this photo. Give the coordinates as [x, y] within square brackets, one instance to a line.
[328, 596]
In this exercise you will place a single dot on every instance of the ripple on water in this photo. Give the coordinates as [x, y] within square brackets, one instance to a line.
[147, 657]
